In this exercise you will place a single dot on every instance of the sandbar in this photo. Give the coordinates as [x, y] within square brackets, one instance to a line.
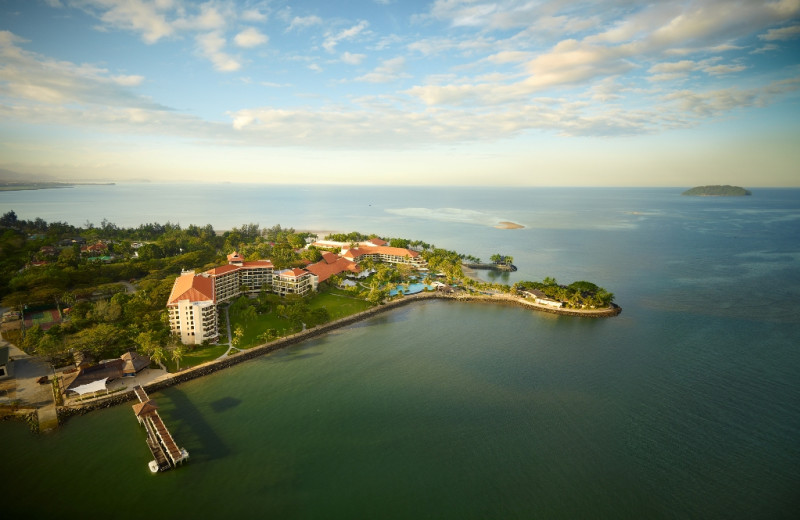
[508, 225]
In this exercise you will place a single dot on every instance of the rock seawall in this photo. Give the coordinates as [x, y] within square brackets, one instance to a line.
[210, 367]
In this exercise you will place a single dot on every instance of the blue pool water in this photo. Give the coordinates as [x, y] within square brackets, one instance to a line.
[412, 288]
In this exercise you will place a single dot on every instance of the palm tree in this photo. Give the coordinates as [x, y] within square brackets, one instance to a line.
[237, 336]
[177, 355]
[157, 355]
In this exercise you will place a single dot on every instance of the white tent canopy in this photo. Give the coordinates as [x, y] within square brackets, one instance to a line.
[91, 387]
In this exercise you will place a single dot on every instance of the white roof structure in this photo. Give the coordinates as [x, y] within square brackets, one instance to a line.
[91, 387]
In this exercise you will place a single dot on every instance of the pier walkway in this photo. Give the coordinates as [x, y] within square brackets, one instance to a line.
[166, 452]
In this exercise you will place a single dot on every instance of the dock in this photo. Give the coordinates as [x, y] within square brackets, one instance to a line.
[166, 453]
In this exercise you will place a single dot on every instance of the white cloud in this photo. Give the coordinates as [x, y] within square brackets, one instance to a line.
[390, 70]
[128, 81]
[353, 59]
[765, 48]
[211, 46]
[332, 40]
[717, 70]
[782, 34]
[301, 22]
[253, 15]
[509, 57]
[713, 103]
[147, 18]
[29, 77]
[670, 71]
[250, 37]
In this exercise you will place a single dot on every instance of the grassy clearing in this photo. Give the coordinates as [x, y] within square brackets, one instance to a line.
[255, 327]
[198, 356]
[337, 302]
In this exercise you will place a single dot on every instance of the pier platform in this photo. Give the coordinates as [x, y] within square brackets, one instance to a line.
[166, 453]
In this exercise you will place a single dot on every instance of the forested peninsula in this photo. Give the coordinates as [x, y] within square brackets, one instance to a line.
[102, 290]
[717, 190]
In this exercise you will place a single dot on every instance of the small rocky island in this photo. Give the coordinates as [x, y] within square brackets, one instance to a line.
[717, 191]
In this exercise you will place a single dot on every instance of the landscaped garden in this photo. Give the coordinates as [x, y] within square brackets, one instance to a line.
[258, 321]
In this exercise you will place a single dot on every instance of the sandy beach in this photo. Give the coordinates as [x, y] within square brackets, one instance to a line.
[508, 225]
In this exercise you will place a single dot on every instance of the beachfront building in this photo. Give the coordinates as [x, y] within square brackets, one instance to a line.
[192, 309]
[294, 281]
[192, 304]
[391, 255]
[239, 276]
[542, 299]
[333, 244]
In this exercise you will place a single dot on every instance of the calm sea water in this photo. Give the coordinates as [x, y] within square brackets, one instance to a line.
[687, 405]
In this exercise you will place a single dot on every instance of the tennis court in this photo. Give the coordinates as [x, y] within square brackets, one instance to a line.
[45, 319]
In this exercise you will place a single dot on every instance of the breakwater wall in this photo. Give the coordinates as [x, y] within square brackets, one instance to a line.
[64, 412]
[493, 267]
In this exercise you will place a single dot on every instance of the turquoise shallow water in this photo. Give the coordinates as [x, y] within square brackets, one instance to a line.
[687, 405]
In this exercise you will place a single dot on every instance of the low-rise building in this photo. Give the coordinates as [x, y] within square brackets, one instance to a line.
[391, 255]
[332, 264]
[294, 281]
[541, 298]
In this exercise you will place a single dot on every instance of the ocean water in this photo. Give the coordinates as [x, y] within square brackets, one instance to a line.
[687, 405]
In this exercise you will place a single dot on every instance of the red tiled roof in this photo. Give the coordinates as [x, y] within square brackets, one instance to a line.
[258, 263]
[222, 269]
[324, 269]
[293, 272]
[193, 288]
[380, 250]
[378, 241]
[329, 258]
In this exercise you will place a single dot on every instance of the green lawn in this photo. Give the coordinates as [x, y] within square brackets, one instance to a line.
[198, 356]
[339, 304]
[253, 328]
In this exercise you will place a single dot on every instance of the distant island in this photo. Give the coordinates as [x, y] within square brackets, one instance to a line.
[717, 190]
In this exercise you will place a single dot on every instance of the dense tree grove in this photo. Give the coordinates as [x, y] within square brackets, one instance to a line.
[577, 295]
[46, 266]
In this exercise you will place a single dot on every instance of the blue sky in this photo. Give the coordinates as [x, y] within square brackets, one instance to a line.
[461, 92]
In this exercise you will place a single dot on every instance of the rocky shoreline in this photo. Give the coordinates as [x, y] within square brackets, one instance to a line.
[65, 412]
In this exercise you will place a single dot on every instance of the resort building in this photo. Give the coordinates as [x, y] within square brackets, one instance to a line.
[192, 304]
[541, 298]
[333, 244]
[294, 281]
[391, 255]
[332, 264]
[192, 309]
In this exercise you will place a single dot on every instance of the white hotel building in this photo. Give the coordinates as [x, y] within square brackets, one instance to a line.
[192, 304]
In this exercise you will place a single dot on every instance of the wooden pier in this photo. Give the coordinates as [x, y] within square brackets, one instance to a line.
[166, 454]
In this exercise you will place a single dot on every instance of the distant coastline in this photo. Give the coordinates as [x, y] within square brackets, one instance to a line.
[26, 186]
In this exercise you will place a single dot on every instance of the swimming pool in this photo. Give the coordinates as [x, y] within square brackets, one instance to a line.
[412, 288]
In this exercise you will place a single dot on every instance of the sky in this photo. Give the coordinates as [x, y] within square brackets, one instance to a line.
[448, 92]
